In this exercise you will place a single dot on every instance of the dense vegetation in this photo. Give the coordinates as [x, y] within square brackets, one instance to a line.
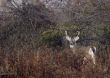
[32, 41]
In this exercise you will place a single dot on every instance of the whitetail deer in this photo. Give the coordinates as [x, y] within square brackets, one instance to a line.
[87, 51]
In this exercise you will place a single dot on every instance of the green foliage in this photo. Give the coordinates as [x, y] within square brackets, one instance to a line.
[51, 37]
[68, 26]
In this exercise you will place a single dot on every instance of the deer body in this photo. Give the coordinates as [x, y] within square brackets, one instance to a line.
[86, 52]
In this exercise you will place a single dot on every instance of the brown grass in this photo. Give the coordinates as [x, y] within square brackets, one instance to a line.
[46, 63]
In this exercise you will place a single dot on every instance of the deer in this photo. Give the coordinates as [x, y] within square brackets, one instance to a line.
[88, 51]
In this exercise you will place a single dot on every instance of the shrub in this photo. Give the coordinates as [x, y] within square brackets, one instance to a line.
[52, 38]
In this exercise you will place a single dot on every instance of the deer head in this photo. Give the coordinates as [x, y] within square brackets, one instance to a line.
[72, 41]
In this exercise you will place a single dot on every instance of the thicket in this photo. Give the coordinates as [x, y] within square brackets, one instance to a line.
[22, 26]
[34, 25]
[31, 41]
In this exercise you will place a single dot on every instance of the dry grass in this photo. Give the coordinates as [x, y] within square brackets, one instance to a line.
[46, 63]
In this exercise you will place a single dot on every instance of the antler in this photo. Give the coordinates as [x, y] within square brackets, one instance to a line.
[67, 37]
